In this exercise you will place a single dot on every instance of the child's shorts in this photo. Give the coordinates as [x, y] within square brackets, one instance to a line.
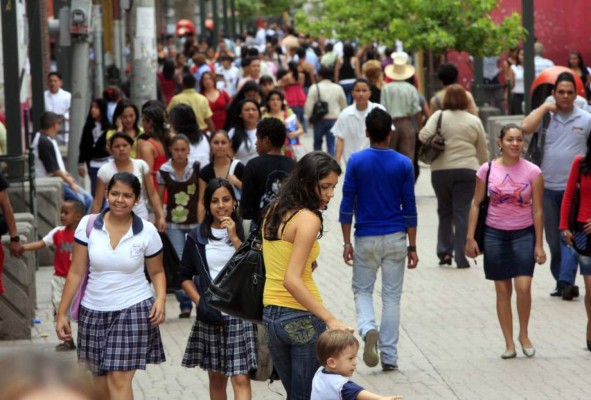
[57, 288]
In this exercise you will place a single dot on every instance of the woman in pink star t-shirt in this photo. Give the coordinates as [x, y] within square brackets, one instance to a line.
[513, 233]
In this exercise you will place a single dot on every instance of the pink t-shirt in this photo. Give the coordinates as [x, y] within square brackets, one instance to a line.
[510, 191]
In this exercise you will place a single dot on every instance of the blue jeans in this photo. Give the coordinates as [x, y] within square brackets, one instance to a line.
[84, 197]
[321, 129]
[177, 238]
[348, 88]
[299, 112]
[292, 342]
[563, 262]
[372, 252]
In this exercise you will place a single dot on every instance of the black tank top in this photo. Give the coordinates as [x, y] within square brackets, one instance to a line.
[347, 71]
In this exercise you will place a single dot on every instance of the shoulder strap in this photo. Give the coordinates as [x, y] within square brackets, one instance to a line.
[90, 224]
[318, 90]
[487, 176]
[288, 221]
[196, 167]
[438, 129]
[233, 166]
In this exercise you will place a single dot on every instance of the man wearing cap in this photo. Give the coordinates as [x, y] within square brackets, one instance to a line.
[401, 100]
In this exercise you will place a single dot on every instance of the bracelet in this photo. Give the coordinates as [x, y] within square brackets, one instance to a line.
[411, 249]
[345, 245]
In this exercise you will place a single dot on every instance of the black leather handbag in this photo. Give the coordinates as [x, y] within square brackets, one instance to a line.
[238, 288]
[482, 213]
[535, 150]
[319, 110]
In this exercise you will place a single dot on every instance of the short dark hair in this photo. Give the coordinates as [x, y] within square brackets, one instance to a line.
[189, 80]
[249, 60]
[332, 343]
[48, 119]
[378, 124]
[565, 77]
[76, 205]
[447, 74]
[55, 73]
[274, 129]
[266, 79]
[326, 73]
[128, 179]
[120, 135]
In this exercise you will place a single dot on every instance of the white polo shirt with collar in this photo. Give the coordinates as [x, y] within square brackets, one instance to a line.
[116, 280]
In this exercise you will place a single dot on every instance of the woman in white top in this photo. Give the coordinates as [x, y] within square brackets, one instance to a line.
[244, 132]
[453, 173]
[118, 312]
[517, 85]
[222, 345]
[120, 147]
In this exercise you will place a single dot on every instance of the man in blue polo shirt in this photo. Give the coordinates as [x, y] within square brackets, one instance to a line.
[379, 191]
[566, 137]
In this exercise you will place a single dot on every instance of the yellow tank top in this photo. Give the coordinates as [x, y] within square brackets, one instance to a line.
[276, 254]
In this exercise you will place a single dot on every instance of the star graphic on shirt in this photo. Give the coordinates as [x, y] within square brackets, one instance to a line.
[509, 192]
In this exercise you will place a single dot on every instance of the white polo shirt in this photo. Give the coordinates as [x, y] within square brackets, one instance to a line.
[116, 280]
[350, 127]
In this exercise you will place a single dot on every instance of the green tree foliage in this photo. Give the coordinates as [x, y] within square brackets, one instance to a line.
[436, 25]
[265, 8]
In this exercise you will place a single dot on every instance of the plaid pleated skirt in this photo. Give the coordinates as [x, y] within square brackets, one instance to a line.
[229, 349]
[121, 340]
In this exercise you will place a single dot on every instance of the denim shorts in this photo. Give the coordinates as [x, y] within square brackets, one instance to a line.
[508, 254]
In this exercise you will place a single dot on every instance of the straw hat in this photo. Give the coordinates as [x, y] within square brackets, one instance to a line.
[400, 70]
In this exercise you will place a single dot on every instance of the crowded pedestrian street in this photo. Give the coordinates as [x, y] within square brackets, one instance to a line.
[450, 344]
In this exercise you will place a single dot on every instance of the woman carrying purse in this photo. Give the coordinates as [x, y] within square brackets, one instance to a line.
[513, 233]
[220, 344]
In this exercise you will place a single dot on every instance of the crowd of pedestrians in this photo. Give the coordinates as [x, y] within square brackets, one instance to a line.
[213, 158]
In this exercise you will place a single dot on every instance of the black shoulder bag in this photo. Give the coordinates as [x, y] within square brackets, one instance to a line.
[535, 150]
[434, 146]
[238, 288]
[320, 108]
[482, 213]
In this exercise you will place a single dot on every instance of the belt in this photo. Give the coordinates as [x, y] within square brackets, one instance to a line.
[400, 119]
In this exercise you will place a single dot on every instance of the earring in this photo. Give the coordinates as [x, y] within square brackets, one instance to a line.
[500, 150]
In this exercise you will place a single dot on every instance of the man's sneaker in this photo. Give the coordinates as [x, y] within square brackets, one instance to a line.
[370, 352]
[389, 367]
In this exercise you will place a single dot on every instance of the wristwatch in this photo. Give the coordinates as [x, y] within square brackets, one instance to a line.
[15, 239]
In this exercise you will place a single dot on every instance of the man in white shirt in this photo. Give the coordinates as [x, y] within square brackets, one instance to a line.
[540, 62]
[230, 73]
[58, 100]
[49, 161]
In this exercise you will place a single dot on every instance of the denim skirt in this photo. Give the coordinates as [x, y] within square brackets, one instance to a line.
[508, 254]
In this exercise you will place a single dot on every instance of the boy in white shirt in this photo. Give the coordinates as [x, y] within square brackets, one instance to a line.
[337, 352]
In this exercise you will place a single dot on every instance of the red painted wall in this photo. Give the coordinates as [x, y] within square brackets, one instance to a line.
[560, 29]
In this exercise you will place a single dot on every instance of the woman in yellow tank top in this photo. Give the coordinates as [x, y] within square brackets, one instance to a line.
[294, 315]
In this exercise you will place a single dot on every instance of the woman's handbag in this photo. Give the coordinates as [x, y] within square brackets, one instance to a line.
[482, 213]
[75, 306]
[238, 288]
[319, 110]
[434, 146]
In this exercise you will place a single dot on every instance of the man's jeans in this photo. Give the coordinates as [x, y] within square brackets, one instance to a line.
[177, 238]
[83, 196]
[321, 129]
[563, 262]
[372, 252]
[292, 342]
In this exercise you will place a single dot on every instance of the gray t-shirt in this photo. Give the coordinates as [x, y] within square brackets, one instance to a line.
[566, 138]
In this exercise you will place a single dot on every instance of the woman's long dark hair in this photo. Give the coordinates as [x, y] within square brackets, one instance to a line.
[585, 163]
[240, 134]
[205, 227]
[104, 118]
[182, 118]
[293, 68]
[157, 117]
[234, 107]
[300, 190]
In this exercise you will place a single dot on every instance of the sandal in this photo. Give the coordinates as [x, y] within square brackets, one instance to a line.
[66, 346]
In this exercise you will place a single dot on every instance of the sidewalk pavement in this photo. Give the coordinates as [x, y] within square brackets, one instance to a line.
[450, 339]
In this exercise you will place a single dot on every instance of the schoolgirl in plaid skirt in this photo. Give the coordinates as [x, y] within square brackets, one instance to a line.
[119, 315]
[220, 344]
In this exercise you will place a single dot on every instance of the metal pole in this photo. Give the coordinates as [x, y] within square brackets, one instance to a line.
[528, 51]
[36, 56]
[63, 51]
[117, 50]
[478, 81]
[97, 30]
[123, 41]
[233, 18]
[226, 31]
[202, 16]
[216, 26]
[144, 60]
[79, 108]
[11, 78]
